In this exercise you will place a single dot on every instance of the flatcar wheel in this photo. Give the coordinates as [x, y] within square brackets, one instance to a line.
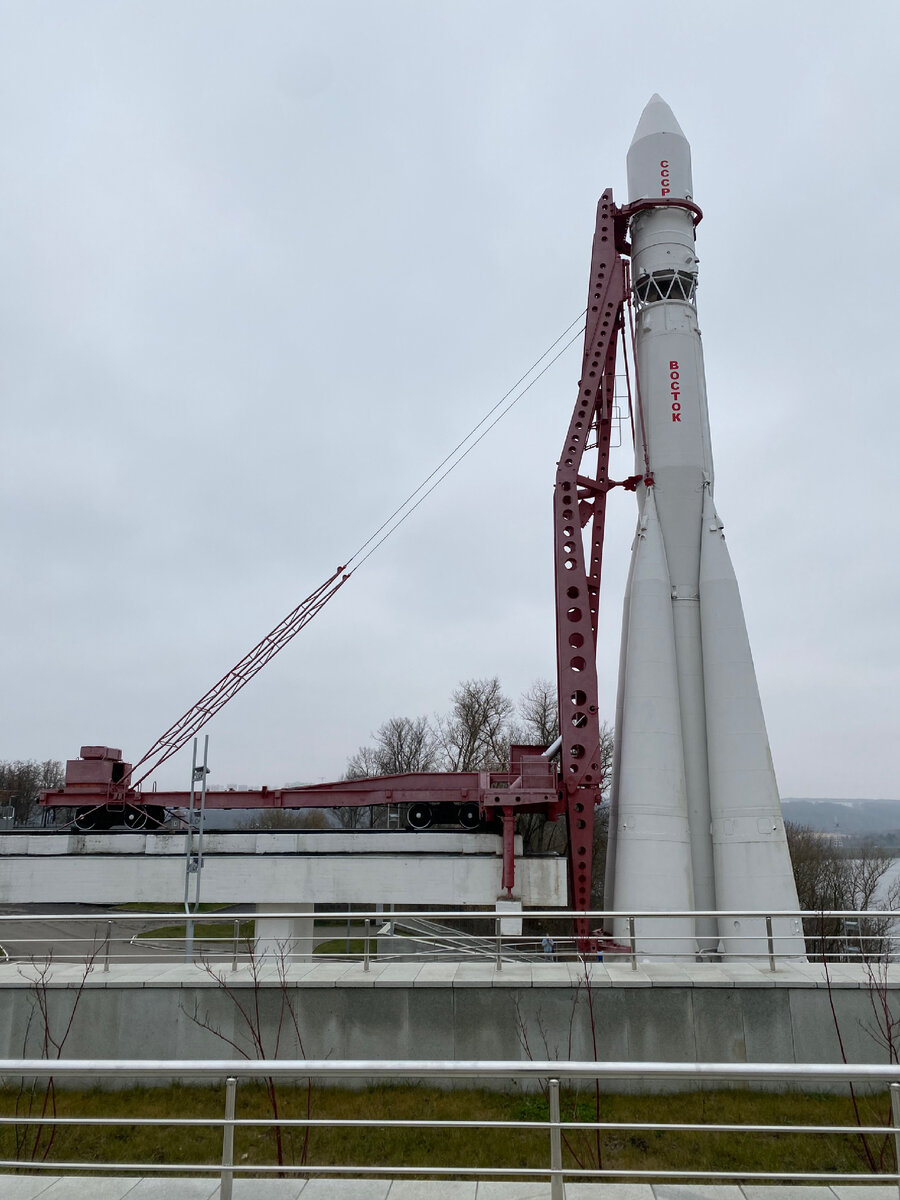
[468, 816]
[136, 818]
[419, 816]
[86, 819]
[156, 816]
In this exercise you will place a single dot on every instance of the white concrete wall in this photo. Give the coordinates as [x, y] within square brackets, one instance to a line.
[258, 868]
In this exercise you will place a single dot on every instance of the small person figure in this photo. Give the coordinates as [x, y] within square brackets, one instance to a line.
[547, 944]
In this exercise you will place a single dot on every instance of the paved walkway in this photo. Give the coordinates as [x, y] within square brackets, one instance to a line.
[28, 1187]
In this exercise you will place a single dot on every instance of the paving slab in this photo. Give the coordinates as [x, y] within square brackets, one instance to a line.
[267, 1189]
[396, 975]
[667, 975]
[474, 975]
[438, 1189]
[126, 975]
[172, 1188]
[691, 1191]
[55, 1187]
[609, 1191]
[533, 1189]
[98, 1189]
[597, 974]
[625, 977]
[712, 975]
[756, 1191]
[845, 975]
[513, 975]
[436, 975]
[26, 1187]
[326, 974]
[549, 975]
[863, 1191]
[346, 1189]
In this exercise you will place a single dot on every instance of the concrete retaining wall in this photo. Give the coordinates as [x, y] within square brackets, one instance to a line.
[707, 1013]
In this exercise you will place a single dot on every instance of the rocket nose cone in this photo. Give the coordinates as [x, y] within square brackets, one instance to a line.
[657, 117]
[659, 158]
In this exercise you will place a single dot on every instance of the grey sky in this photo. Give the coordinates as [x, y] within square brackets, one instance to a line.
[262, 264]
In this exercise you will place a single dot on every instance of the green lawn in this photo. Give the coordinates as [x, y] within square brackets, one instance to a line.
[339, 946]
[485, 1149]
[174, 907]
[207, 930]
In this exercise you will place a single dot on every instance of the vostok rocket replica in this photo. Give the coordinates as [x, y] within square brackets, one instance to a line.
[695, 820]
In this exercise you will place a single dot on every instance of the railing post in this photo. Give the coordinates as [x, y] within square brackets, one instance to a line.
[632, 943]
[106, 948]
[228, 1140]
[895, 1121]
[366, 947]
[557, 1184]
[237, 938]
[770, 942]
[499, 945]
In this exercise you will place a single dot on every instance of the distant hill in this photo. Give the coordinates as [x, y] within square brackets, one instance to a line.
[853, 818]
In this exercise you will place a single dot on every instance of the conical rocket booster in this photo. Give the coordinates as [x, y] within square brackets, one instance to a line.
[749, 845]
[653, 850]
[717, 792]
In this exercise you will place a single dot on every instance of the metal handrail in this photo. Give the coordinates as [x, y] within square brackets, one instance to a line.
[416, 1068]
[767, 943]
[547, 1072]
[436, 914]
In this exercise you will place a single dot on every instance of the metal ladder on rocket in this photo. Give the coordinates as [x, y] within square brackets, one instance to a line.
[695, 819]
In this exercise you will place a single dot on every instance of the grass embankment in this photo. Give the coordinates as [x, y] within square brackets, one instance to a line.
[211, 931]
[174, 907]
[201, 930]
[340, 946]
[485, 1149]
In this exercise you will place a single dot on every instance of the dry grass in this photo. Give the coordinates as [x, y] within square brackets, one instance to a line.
[485, 1149]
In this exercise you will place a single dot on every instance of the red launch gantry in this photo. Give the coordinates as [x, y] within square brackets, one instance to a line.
[106, 791]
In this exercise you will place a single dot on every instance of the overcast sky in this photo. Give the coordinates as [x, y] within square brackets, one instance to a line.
[263, 263]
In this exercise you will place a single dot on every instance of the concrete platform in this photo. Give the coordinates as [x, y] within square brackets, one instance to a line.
[55, 1187]
[275, 868]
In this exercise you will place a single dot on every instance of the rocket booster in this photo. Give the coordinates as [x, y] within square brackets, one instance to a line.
[695, 821]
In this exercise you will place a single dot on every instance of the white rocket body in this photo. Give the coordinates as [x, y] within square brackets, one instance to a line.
[696, 819]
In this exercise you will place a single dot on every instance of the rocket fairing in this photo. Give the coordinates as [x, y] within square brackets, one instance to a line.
[695, 821]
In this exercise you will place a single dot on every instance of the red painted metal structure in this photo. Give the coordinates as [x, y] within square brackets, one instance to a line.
[105, 789]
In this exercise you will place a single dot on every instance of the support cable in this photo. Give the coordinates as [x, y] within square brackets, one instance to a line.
[453, 465]
[412, 495]
[213, 700]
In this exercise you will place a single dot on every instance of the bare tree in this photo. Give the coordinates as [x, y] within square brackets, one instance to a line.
[837, 877]
[52, 1032]
[585, 1146]
[22, 781]
[260, 1033]
[402, 744]
[539, 711]
[288, 818]
[542, 836]
[475, 734]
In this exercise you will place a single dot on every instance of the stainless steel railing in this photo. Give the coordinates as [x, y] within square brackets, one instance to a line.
[414, 936]
[549, 1074]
